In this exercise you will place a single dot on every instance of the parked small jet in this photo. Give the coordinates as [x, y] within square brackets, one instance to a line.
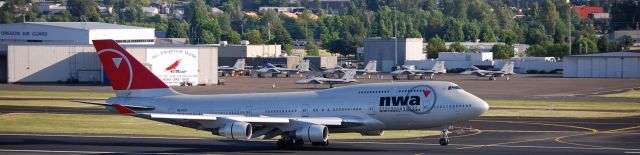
[410, 71]
[348, 77]
[369, 69]
[507, 69]
[297, 117]
[302, 67]
[237, 67]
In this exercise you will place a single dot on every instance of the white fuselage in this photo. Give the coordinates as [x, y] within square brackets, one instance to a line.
[383, 106]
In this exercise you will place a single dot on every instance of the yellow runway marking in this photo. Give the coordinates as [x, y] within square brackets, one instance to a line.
[530, 140]
[559, 139]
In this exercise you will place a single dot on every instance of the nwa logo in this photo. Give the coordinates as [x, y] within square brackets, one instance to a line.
[403, 100]
[399, 101]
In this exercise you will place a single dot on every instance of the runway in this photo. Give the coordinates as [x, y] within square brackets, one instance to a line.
[486, 135]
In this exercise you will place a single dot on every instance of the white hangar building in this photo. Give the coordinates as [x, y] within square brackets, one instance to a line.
[74, 33]
[603, 65]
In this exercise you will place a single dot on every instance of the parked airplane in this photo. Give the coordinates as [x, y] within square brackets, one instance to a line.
[237, 67]
[348, 77]
[297, 117]
[369, 69]
[410, 71]
[302, 67]
[507, 69]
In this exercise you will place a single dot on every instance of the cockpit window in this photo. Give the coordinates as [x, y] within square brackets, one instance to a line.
[455, 88]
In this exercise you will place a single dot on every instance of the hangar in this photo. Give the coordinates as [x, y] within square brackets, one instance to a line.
[198, 64]
[384, 51]
[603, 65]
[74, 33]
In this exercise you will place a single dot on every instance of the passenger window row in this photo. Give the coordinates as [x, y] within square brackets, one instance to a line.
[373, 91]
[408, 91]
[454, 106]
[281, 110]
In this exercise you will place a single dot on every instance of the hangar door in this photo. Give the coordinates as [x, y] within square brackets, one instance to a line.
[630, 67]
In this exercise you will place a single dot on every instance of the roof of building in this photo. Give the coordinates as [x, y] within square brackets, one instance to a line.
[85, 25]
[584, 11]
[611, 54]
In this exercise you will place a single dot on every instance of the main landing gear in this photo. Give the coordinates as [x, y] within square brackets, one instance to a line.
[444, 137]
[289, 143]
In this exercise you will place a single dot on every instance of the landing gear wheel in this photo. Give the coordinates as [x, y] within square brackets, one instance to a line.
[492, 78]
[431, 77]
[326, 143]
[508, 78]
[444, 142]
[281, 144]
[395, 77]
[298, 143]
[444, 137]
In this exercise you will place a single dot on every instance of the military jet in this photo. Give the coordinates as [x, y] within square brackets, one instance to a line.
[411, 72]
[347, 77]
[302, 67]
[369, 69]
[507, 69]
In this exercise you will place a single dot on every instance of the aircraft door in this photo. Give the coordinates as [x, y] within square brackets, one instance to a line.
[372, 108]
[248, 111]
[305, 110]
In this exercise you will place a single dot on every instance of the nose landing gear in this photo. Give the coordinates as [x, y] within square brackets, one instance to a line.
[444, 137]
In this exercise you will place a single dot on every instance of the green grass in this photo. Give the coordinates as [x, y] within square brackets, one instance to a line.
[47, 103]
[557, 113]
[51, 94]
[127, 125]
[564, 105]
[628, 94]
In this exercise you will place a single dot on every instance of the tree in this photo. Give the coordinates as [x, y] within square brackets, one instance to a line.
[627, 41]
[536, 51]
[83, 10]
[311, 48]
[487, 34]
[435, 45]
[472, 31]
[603, 44]
[177, 29]
[457, 47]
[502, 51]
[253, 36]
[340, 46]
[454, 31]
[232, 37]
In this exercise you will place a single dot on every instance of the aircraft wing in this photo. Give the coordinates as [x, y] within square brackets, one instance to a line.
[249, 119]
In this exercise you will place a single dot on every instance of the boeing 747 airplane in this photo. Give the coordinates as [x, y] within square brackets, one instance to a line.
[297, 117]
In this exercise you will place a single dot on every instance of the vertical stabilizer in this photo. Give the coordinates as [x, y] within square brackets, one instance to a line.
[303, 66]
[439, 67]
[129, 78]
[507, 68]
[349, 74]
[371, 66]
[239, 65]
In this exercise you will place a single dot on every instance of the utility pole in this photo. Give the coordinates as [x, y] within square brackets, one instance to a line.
[269, 30]
[395, 34]
[570, 29]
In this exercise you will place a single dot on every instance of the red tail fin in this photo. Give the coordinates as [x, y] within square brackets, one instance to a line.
[124, 71]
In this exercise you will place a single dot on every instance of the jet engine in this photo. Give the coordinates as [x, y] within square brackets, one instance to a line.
[236, 130]
[373, 133]
[313, 133]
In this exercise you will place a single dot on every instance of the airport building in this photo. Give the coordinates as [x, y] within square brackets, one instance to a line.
[27, 62]
[384, 51]
[73, 33]
[603, 65]
[258, 55]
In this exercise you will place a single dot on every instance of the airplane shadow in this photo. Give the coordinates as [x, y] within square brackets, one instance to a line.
[161, 146]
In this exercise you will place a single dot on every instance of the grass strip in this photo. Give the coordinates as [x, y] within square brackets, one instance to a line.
[53, 94]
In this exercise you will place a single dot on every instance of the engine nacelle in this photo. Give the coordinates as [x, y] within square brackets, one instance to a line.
[236, 130]
[373, 133]
[313, 133]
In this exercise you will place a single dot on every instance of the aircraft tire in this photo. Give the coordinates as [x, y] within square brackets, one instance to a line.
[444, 141]
[492, 78]
[281, 144]
[508, 78]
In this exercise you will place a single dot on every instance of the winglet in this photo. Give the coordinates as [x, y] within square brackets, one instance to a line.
[123, 110]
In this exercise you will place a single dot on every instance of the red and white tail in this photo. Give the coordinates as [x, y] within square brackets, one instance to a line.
[129, 78]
